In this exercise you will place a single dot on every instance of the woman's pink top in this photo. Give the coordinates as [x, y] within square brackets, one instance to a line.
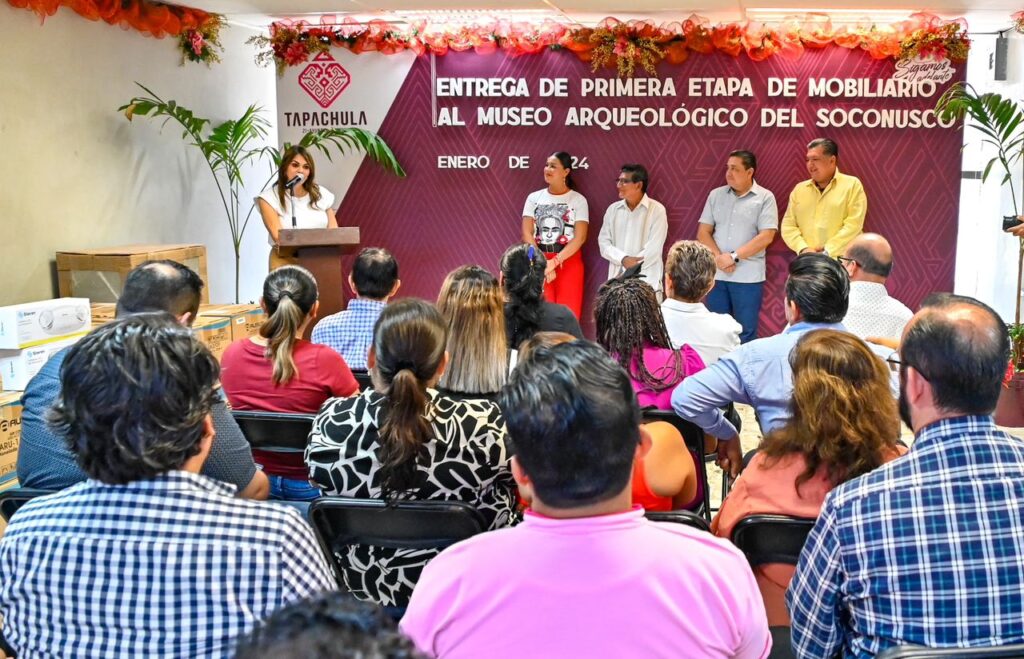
[660, 363]
[771, 490]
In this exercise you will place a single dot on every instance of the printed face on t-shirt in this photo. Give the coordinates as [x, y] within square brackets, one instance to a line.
[553, 222]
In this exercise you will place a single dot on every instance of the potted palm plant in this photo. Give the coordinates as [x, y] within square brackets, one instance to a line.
[1001, 123]
[229, 146]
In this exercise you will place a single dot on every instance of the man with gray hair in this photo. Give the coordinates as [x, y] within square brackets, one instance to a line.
[690, 274]
[872, 311]
[826, 211]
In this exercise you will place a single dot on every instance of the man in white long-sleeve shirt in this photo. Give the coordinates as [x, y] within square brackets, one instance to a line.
[634, 229]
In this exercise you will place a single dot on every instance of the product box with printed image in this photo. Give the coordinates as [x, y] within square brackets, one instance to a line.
[36, 323]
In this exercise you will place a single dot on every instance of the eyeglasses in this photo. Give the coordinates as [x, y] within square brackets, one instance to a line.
[624, 181]
[843, 260]
[893, 361]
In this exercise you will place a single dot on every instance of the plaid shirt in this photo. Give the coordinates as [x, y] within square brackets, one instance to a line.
[169, 567]
[926, 550]
[350, 332]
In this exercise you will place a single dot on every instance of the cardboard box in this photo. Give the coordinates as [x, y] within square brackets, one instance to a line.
[10, 435]
[99, 274]
[102, 313]
[245, 319]
[215, 332]
[17, 367]
[46, 321]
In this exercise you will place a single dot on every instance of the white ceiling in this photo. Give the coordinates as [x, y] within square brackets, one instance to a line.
[983, 15]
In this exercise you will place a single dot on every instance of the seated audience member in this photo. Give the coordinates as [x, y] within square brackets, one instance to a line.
[585, 574]
[925, 550]
[758, 373]
[374, 280]
[631, 329]
[843, 423]
[279, 371]
[471, 303]
[666, 478]
[329, 626]
[872, 311]
[147, 557]
[45, 461]
[404, 440]
[689, 275]
[526, 310]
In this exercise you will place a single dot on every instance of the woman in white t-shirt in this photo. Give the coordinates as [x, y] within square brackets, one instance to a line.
[556, 220]
[312, 203]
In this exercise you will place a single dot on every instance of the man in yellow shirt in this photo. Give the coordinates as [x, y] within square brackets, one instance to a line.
[827, 211]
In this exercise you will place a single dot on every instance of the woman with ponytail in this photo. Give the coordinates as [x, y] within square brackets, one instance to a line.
[404, 440]
[279, 371]
[526, 310]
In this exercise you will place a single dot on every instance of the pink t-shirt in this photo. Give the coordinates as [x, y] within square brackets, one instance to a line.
[661, 364]
[610, 586]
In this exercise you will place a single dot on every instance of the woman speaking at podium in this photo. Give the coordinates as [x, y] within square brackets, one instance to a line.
[295, 202]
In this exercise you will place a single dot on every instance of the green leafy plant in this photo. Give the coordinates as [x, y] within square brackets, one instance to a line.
[228, 147]
[1001, 122]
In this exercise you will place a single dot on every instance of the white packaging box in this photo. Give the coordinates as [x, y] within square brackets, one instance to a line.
[36, 323]
[17, 367]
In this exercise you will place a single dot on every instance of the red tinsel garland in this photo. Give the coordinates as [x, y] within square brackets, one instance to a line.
[153, 18]
[292, 43]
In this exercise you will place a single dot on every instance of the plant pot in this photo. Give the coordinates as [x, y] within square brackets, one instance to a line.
[1010, 408]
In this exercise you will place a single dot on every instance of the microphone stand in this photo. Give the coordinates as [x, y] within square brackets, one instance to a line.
[291, 192]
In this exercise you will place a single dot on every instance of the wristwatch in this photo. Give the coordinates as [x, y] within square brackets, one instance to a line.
[735, 257]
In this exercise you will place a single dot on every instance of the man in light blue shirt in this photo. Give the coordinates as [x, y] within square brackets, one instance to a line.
[374, 279]
[758, 373]
[738, 223]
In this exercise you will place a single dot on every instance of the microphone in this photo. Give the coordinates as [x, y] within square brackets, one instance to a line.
[295, 180]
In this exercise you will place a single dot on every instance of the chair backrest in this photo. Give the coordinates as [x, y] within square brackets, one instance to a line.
[772, 538]
[340, 522]
[917, 652]
[274, 431]
[363, 378]
[693, 436]
[13, 499]
[679, 517]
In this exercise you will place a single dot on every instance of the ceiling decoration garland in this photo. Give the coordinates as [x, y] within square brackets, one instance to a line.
[154, 19]
[613, 43]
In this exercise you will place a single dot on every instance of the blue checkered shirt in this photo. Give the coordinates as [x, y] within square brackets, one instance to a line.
[925, 550]
[170, 567]
[350, 332]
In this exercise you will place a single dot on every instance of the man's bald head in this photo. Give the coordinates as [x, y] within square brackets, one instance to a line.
[873, 254]
[961, 347]
[161, 286]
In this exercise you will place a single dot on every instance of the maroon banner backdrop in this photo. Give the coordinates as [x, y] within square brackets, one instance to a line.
[439, 217]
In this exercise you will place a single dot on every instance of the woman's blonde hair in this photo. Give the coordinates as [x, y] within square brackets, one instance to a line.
[473, 306]
[289, 294]
[842, 415]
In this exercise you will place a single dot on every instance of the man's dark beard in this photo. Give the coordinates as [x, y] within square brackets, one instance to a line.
[903, 404]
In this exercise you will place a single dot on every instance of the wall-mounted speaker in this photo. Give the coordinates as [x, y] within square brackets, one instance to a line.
[1002, 48]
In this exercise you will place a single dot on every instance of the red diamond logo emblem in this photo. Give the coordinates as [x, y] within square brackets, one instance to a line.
[324, 79]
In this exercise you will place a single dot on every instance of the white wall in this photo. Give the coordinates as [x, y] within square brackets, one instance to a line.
[986, 262]
[78, 175]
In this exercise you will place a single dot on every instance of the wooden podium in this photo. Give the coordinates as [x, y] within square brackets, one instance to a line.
[319, 251]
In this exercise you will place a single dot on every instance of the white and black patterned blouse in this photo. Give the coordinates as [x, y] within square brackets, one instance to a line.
[466, 461]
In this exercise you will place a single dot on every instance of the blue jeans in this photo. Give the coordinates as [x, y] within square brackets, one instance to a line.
[741, 301]
[291, 489]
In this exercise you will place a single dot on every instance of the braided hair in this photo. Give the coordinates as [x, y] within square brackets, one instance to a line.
[628, 320]
[522, 269]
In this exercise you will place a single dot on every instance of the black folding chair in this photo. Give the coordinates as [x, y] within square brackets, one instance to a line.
[693, 436]
[363, 378]
[13, 499]
[274, 431]
[686, 517]
[917, 652]
[772, 538]
[340, 523]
